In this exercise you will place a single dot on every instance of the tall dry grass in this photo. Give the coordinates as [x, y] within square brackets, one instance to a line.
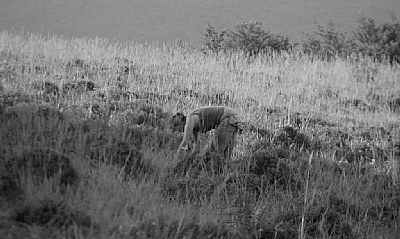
[291, 83]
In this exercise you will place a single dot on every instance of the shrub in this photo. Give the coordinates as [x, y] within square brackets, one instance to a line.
[246, 37]
[377, 41]
[51, 213]
[45, 163]
[213, 39]
[266, 168]
[163, 227]
[10, 189]
[326, 42]
[368, 40]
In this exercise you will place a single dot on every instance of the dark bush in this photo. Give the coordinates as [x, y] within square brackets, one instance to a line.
[186, 93]
[377, 41]
[271, 170]
[289, 137]
[165, 228]
[127, 157]
[45, 163]
[356, 104]
[380, 42]
[125, 66]
[195, 177]
[163, 140]
[302, 120]
[192, 165]
[281, 232]
[321, 220]
[52, 214]
[188, 189]
[76, 63]
[213, 40]
[152, 115]
[10, 189]
[362, 153]
[14, 98]
[50, 88]
[259, 131]
[78, 87]
[394, 104]
[327, 43]
[105, 144]
[216, 99]
[246, 37]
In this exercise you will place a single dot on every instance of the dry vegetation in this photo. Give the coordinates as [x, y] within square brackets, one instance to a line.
[85, 152]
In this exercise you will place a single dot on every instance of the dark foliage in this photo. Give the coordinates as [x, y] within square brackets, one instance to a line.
[187, 189]
[14, 98]
[44, 163]
[363, 153]
[195, 177]
[380, 42]
[10, 189]
[377, 41]
[246, 37]
[76, 63]
[300, 121]
[52, 214]
[50, 88]
[290, 137]
[165, 228]
[213, 40]
[394, 104]
[78, 87]
[321, 220]
[356, 104]
[129, 159]
[266, 168]
[326, 43]
[192, 165]
[27, 112]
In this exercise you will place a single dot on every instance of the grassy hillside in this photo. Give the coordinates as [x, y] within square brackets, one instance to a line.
[86, 152]
[155, 20]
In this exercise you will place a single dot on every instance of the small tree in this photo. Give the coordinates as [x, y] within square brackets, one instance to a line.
[213, 39]
[326, 42]
[377, 41]
[368, 39]
[246, 37]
